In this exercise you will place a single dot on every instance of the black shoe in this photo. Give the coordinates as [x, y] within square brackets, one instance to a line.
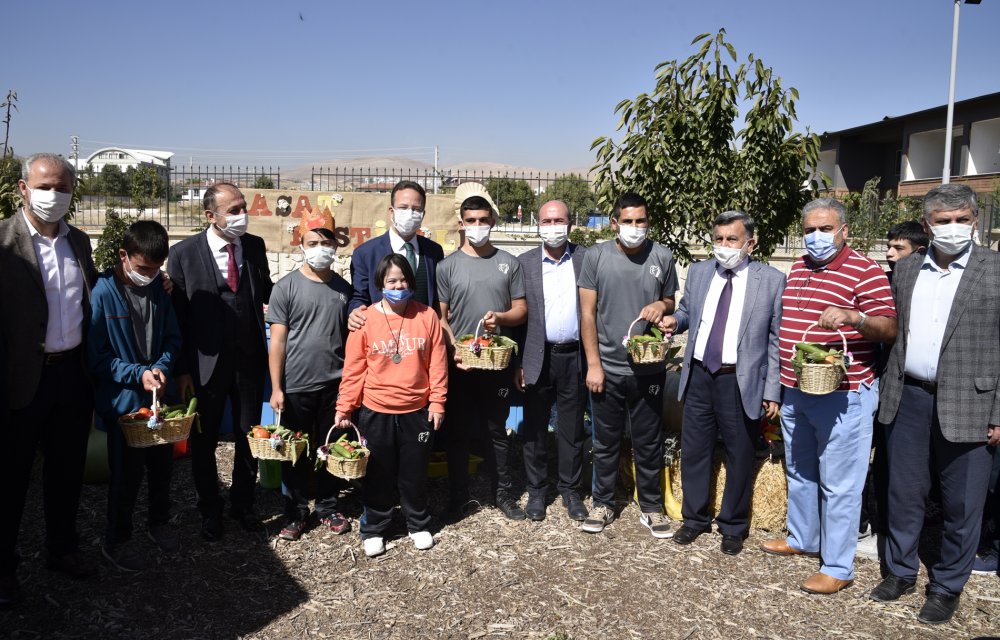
[211, 528]
[72, 564]
[731, 545]
[892, 588]
[510, 507]
[10, 591]
[938, 608]
[535, 508]
[687, 535]
[575, 507]
[249, 520]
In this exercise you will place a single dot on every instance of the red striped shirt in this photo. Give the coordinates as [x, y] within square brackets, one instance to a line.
[850, 281]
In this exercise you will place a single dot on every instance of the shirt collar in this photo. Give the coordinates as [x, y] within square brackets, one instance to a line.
[217, 244]
[61, 233]
[396, 241]
[961, 261]
[563, 258]
[738, 272]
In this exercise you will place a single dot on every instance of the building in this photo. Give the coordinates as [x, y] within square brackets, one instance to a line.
[134, 158]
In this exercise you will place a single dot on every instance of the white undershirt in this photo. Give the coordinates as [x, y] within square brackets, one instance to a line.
[731, 339]
[221, 254]
[63, 280]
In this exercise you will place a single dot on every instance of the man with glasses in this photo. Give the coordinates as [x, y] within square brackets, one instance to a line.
[828, 437]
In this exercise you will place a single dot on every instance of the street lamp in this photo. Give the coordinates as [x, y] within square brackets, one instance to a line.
[946, 170]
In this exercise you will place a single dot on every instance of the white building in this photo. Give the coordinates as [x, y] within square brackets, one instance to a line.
[125, 158]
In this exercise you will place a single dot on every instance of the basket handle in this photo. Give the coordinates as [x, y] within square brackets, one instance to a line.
[326, 440]
[628, 334]
[843, 338]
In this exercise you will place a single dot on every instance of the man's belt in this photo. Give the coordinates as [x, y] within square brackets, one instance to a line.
[563, 347]
[56, 357]
[726, 368]
[929, 387]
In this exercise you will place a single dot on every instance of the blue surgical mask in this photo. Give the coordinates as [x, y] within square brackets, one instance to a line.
[820, 245]
[395, 296]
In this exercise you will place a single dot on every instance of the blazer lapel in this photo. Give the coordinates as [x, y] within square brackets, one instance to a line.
[753, 286]
[208, 260]
[27, 250]
[974, 271]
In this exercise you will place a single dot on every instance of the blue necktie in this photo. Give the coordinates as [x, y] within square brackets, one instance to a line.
[713, 349]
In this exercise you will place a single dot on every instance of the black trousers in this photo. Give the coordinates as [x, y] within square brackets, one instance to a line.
[876, 493]
[713, 406]
[916, 449]
[57, 421]
[400, 445]
[476, 410]
[559, 384]
[239, 379]
[311, 412]
[639, 401]
[127, 464]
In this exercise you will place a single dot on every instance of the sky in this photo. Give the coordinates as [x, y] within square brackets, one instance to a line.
[529, 84]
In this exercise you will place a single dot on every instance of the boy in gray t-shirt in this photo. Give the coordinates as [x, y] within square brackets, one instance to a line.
[622, 280]
[479, 283]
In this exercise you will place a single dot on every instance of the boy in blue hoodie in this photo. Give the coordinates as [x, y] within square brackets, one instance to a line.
[132, 344]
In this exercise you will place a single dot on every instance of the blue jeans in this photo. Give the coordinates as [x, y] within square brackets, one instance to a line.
[827, 444]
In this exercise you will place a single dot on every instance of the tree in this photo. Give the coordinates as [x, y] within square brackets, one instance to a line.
[144, 186]
[263, 182]
[113, 181]
[681, 149]
[112, 237]
[508, 193]
[575, 191]
[869, 216]
[10, 167]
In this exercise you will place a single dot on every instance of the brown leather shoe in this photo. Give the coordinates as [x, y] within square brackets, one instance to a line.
[780, 547]
[823, 584]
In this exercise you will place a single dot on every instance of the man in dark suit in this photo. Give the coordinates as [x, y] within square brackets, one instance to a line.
[940, 399]
[551, 370]
[732, 306]
[222, 282]
[407, 203]
[47, 275]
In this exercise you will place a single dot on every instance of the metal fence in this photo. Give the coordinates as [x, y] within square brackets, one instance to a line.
[379, 180]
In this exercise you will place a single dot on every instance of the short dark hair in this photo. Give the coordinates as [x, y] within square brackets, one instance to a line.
[208, 200]
[147, 238]
[408, 184]
[323, 231]
[728, 217]
[628, 200]
[910, 230]
[475, 203]
[394, 260]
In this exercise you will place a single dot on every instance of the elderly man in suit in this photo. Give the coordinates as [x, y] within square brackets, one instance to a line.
[940, 399]
[730, 377]
[551, 371]
[47, 275]
[222, 282]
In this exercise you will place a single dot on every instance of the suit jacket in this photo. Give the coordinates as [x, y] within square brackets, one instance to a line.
[757, 367]
[532, 335]
[969, 360]
[26, 312]
[200, 310]
[365, 259]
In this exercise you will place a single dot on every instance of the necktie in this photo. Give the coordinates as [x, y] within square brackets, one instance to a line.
[411, 256]
[713, 349]
[233, 272]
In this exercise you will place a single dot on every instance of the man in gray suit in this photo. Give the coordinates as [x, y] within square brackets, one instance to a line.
[551, 372]
[940, 399]
[47, 274]
[730, 376]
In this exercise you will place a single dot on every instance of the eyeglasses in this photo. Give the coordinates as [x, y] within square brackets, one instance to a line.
[417, 210]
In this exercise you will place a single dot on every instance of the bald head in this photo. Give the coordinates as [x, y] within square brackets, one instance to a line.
[553, 212]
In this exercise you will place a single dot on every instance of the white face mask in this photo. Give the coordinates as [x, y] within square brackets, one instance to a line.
[137, 278]
[477, 235]
[951, 239]
[631, 236]
[320, 257]
[406, 221]
[236, 225]
[50, 205]
[554, 235]
[728, 257]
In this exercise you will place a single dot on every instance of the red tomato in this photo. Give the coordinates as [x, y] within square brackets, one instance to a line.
[144, 413]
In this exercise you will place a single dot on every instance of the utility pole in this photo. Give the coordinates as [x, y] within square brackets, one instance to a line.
[950, 120]
[75, 153]
[437, 176]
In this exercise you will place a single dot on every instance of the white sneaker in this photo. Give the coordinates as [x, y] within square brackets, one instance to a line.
[422, 540]
[373, 546]
[868, 548]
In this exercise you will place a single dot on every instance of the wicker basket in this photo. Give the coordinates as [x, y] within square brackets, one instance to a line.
[490, 358]
[819, 379]
[646, 352]
[346, 468]
[261, 449]
[139, 435]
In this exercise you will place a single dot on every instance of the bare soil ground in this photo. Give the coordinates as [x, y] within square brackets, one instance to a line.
[486, 577]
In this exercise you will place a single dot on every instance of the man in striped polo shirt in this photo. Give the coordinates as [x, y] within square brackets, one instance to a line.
[828, 437]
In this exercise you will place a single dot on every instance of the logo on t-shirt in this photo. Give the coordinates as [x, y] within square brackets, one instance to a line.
[503, 267]
[654, 389]
[655, 271]
[503, 392]
[423, 436]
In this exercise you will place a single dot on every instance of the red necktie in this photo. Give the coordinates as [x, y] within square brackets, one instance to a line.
[233, 274]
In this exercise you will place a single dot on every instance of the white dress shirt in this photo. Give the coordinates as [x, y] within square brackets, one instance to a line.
[396, 242]
[63, 280]
[731, 338]
[933, 294]
[559, 292]
[221, 254]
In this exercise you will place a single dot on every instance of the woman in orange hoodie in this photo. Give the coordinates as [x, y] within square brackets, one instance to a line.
[396, 376]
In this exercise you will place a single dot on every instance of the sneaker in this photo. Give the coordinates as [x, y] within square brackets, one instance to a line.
[165, 537]
[373, 546]
[658, 524]
[867, 548]
[599, 518]
[336, 523]
[125, 556]
[293, 530]
[422, 540]
[986, 564]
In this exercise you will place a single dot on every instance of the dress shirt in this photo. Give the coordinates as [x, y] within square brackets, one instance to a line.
[933, 294]
[559, 293]
[63, 280]
[735, 312]
[221, 254]
[396, 242]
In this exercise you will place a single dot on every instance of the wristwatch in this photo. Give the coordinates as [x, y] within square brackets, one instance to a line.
[861, 323]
